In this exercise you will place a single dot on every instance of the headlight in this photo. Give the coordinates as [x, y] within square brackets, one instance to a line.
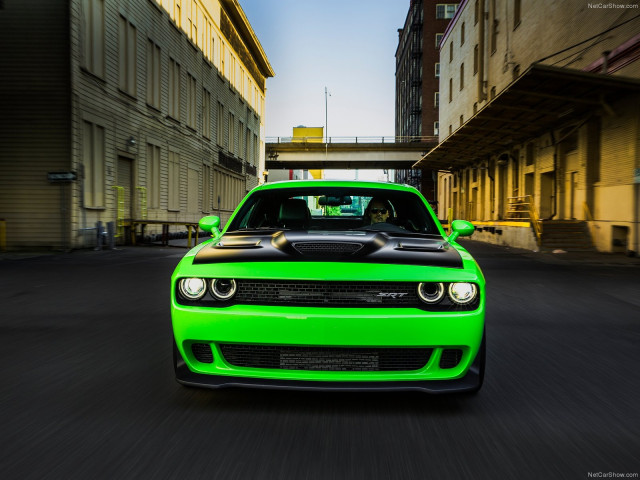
[462, 293]
[431, 292]
[192, 288]
[223, 288]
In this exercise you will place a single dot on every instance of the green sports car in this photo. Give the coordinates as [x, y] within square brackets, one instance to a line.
[335, 285]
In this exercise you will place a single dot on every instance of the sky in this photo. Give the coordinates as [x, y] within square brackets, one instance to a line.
[347, 46]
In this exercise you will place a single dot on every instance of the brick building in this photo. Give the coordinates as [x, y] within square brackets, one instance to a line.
[417, 81]
[540, 123]
[150, 109]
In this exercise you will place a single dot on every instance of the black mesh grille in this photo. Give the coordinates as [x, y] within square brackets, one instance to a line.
[450, 358]
[330, 248]
[328, 359]
[328, 293]
[202, 352]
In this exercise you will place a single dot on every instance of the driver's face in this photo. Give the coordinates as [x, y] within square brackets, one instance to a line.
[379, 212]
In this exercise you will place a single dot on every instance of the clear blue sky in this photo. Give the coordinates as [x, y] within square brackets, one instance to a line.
[346, 45]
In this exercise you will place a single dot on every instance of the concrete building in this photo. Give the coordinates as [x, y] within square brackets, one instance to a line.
[120, 110]
[540, 123]
[417, 81]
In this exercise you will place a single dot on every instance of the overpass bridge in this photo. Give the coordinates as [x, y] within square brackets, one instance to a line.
[310, 153]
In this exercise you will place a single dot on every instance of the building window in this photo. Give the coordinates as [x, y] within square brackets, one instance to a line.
[174, 181]
[436, 99]
[153, 74]
[450, 90]
[436, 128]
[256, 152]
[206, 188]
[93, 163]
[451, 51]
[476, 58]
[461, 76]
[517, 5]
[445, 10]
[231, 136]
[462, 34]
[461, 120]
[153, 176]
[223, 54]
[174, 89]
[128, 53]
[450, 129]
[93, 42]
[242, 145]
[177, 13]
[475, 108]
[494, 28]
[206, 113]
[219, 120]
[191, 101]
[476, 12]
[438, 70]
[438, 39]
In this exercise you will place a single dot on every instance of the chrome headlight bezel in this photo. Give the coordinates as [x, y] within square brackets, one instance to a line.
[433, 298]
[189, 289]
[223, 292]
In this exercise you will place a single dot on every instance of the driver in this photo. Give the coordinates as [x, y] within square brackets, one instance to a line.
[378, 211]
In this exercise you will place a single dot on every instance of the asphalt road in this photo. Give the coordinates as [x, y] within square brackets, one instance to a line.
[87, 387]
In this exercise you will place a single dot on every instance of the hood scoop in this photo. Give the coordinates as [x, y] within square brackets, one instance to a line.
[422, 246]
[239, 243]
[327, 248]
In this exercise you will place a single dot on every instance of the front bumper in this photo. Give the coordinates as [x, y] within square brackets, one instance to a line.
[334, 327]
[469, 383]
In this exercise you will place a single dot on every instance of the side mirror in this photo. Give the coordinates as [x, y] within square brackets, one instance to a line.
[460, 228]
[210, 224]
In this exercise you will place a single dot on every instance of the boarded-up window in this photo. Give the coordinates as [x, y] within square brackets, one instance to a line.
[206, 188]
[93, 41]
[228, 189]
[128, 53]
[219, 124]
[93, 161]
[153, 176]
[206, 113]
[174, 89]
[174, 181]
[191, 101]
[153, 74]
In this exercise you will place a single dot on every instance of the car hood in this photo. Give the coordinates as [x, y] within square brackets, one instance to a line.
[318, 246]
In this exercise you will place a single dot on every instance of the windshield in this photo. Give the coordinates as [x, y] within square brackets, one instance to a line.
[335, 209]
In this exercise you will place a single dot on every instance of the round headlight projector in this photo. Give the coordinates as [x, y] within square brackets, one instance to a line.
[223, 288]
[431, 292]
[193, 288]
[463, 293]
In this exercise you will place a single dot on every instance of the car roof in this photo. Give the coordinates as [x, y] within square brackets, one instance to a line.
[334, 183]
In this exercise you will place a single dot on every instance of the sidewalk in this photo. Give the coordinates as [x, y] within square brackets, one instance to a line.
[558, 257]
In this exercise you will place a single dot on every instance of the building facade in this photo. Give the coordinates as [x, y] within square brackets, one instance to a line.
[417, 81]
[118, 111]
[540, 123]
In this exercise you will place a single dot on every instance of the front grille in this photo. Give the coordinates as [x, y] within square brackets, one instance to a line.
[202, 352]
[326, 293]
[327, 359]
[450, 358]
[328, 248]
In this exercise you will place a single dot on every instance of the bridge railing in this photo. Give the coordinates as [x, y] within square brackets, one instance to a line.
[358, 139]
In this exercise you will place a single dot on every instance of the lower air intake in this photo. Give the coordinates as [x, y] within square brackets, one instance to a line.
[327, 359]
[202, 352]
[450, 358]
